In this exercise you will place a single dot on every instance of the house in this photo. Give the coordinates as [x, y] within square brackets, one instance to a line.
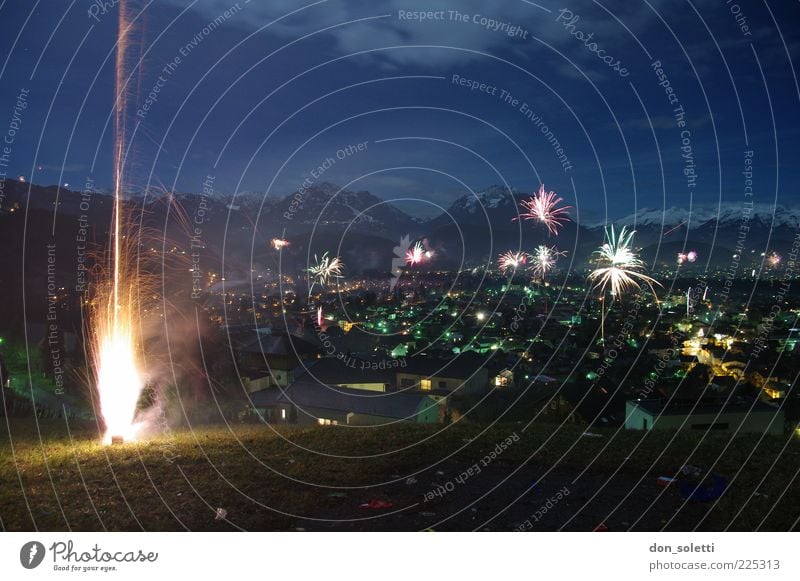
[272, 359]
[353, 373]
[742, 414]
[463, 374]
[311, 402]
[504, 378]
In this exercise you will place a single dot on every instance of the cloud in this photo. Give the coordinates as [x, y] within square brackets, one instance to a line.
[474, 35]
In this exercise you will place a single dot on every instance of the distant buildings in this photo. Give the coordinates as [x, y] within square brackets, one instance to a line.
[736, 414]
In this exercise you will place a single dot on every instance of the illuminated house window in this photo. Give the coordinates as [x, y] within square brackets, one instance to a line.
[283, 414]
[504, 378]
[327, 422]
[425, 384]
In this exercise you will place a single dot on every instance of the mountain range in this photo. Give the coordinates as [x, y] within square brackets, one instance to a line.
[364, 229]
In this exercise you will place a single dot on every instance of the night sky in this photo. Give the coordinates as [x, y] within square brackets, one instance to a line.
[262, 94]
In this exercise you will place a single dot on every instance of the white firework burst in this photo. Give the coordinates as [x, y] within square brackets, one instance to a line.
[623, 266]
[324, 270]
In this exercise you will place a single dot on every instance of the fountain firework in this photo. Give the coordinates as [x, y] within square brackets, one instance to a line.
[114, 321]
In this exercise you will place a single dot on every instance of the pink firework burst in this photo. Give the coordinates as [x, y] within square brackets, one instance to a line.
[279, 243]
[544, 207]
[511, 261]
[415, 254]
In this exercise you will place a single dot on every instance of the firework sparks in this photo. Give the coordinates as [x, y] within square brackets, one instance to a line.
[279, 243]
[416, 254]
[684, 257]
[114, 317]
[624, 266]
[544, 259]
[324, 270]
[511, 261]
[544, 207]
[774, 259]
[622, 272]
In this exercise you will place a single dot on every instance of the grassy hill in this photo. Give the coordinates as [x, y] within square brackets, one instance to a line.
[318, 479]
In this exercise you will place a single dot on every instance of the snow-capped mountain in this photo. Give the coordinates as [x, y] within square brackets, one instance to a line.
[326, 204]
[497, 203]
[709, 214]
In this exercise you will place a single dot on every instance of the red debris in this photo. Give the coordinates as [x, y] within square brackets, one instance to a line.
[377, 504]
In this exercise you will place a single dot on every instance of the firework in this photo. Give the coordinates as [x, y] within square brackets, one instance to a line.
[684, 257]
[623, 268]
[324, 270]
[114, 321]
[415, 254]
[774, 259]
[279, 243]
[622, 272]
[544, 259]
[511, 261]
[544, 207]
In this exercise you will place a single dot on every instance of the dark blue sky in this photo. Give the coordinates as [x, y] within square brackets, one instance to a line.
[260, 99]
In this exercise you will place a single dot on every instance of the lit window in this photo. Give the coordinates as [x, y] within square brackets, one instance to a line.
[283, 413]
[425, 384]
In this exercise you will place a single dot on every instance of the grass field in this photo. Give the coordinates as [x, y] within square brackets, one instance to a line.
[298, 478]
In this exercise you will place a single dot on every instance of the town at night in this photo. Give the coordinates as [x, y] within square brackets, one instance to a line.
[399, 267]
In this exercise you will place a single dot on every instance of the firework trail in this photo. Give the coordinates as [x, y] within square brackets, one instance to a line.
[114, 323]
[671, 230]
[544, 207]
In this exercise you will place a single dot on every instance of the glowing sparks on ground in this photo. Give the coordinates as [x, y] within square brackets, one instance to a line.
[115, 315]
[279, 243]
[623, 265]
[544, 259]
[324, 270]
[415, 254]
[544, 207]
[511, 261]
